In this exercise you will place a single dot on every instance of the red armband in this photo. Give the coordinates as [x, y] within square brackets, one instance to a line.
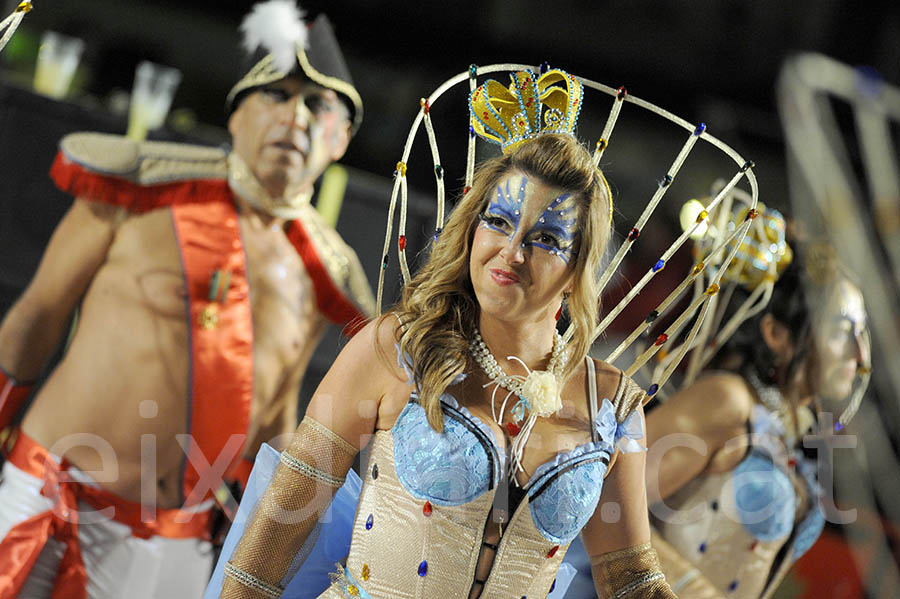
[12, 397]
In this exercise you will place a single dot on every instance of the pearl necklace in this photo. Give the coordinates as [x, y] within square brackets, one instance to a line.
[539, 393]
[515, 383]
[769, 395]
[773, 400]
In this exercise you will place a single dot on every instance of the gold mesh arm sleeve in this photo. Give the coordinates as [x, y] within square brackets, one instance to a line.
[631, 572]
[312, 469]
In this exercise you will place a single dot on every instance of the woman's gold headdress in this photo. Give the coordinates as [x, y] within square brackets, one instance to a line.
[530, 106]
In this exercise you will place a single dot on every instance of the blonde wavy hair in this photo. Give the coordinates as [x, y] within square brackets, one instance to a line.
[438, 307]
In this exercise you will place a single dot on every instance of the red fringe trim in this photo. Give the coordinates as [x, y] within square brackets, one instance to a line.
[331, 301]
[81, 183]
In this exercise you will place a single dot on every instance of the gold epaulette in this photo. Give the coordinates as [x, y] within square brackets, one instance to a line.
[144, 163]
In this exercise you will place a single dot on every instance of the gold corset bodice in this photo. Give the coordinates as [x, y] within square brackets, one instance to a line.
[394, 535]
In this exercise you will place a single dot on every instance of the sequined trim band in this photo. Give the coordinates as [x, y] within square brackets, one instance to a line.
[307, 470]
[327, 432]
[635, 585]
[249, 580]
[628, 552]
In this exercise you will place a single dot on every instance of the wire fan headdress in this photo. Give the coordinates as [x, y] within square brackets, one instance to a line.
[507, 118]
[9, 25]
[857, 209]
[827, 189]
[761, 257]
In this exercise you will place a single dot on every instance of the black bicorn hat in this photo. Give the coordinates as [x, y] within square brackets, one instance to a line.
[279, 43]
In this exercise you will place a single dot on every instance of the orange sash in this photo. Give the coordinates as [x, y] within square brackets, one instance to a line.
[221, 333]
[21, 547]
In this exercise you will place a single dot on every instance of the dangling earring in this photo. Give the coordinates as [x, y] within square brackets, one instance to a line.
[562, 305]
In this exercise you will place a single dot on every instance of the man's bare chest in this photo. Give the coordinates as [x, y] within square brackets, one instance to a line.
[282, 295]
[146, 271]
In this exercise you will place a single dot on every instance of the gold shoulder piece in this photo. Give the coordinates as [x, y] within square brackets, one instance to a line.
[144, 163]
[102, 153]
[629, 396]
[340, 260]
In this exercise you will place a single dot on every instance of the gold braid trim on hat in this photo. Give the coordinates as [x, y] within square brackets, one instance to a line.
[262, 73]
[631, 572]
[312, 469]
[265, 72]
[338, 85]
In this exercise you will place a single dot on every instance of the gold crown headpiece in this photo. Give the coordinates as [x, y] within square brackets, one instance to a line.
[530, 106]
[763, 246]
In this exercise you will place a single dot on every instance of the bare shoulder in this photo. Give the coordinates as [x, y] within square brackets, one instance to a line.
[373, 350]
[349, 398]
[386, 337]
[93, 216]
[376, 336]
[725, 394]
[716, 407]
[624, 393]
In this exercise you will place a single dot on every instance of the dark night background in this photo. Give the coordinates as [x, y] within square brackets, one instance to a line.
[714, 61]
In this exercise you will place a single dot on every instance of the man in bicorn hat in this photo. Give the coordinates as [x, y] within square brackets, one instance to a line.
[205, 280]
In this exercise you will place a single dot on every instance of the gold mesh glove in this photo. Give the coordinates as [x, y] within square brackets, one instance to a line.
[312, 469]
[631, 572]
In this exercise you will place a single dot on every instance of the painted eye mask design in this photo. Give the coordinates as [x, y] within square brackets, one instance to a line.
[555, 231]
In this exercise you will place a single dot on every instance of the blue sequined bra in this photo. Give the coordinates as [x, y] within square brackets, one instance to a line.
[464, 462]
[764, 494]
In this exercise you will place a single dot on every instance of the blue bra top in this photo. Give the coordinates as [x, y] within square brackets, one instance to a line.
[764, 491]
[460, 464]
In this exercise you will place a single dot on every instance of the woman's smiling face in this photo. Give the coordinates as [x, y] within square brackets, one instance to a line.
[524, 248]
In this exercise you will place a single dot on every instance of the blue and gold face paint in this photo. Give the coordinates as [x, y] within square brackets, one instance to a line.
[524, 210]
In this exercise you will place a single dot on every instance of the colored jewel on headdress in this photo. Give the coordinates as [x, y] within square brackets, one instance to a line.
[532, 105]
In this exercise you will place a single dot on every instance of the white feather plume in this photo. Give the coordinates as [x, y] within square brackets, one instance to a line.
[278, 26]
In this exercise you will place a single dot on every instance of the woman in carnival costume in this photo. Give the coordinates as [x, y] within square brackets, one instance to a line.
[740, 506]
[494, 434]
[490, 443]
